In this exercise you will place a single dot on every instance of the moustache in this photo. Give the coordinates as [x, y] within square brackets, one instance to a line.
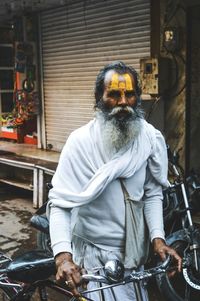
[127, 109]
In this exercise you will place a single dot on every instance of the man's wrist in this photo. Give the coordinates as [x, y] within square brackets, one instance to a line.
[158, 240]
[61, 257]
[157, 243]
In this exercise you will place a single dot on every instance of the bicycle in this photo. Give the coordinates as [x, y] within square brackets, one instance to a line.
[21, 277]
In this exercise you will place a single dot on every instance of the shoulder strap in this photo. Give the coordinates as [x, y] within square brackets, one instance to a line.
[125, 192]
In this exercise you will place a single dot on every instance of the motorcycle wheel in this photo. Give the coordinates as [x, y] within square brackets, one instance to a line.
[43, 242]
[175, 288]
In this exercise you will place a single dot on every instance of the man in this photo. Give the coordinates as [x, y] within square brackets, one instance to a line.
[117, 146]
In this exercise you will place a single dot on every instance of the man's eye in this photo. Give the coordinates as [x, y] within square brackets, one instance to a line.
[114, 94]
[129, 94]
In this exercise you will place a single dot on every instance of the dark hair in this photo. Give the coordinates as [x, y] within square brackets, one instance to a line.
[119, 67]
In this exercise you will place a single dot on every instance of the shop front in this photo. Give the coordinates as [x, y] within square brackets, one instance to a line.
[50, 57]
[19, 98]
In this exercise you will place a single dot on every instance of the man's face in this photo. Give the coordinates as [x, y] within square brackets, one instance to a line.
[121, 122]
[119, 90]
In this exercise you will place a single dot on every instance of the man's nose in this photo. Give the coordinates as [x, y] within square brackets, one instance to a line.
[122, 100]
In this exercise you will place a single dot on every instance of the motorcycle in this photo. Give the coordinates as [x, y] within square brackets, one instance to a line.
[181, 201]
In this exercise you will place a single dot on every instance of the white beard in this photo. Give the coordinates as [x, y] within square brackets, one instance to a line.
[114, 136]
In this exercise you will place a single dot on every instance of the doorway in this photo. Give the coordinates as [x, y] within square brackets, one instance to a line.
[193, 91]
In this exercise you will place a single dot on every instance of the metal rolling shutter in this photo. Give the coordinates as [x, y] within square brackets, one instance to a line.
[78, 40]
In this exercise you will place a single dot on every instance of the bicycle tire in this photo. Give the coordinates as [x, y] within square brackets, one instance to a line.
[175, 288]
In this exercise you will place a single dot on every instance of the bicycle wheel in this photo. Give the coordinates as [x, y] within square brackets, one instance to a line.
[176, 288]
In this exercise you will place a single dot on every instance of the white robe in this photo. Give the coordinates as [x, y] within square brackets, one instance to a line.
[85, 170]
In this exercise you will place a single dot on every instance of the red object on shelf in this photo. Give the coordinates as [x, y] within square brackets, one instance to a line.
[16, 134]
[8, 135]
[30, 140]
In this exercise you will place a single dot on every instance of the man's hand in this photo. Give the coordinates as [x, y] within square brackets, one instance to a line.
[68, 272]
[161, 249]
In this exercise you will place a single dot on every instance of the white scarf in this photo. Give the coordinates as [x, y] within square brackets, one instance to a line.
[84, 171]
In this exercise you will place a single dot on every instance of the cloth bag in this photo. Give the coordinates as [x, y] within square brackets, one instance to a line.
[137, 241]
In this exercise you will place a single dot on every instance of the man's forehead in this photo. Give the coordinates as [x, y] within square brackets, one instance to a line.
[115, 80]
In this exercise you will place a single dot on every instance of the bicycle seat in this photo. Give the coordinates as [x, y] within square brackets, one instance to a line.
[40, 222]
[31, 266]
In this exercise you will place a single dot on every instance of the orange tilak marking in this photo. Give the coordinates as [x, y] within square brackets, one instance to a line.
[121, 82]
[122, 86]
[129, 84]
[115, 82]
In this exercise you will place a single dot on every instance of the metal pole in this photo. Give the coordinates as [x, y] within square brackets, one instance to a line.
[138, 292]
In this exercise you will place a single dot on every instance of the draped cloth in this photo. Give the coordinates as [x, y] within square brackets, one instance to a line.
[84, 170]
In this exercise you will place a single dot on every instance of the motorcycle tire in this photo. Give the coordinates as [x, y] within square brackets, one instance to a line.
[175, 288]
[43, 242]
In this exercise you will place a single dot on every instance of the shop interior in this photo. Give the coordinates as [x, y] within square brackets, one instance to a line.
[19, 100]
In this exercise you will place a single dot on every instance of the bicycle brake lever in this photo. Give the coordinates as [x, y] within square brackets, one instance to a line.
[148, 273]
[137, 276]
[162, 268]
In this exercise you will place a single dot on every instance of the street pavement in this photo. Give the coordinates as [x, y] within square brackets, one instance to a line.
[17, 236]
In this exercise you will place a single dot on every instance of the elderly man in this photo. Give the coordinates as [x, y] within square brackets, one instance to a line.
[115, 155]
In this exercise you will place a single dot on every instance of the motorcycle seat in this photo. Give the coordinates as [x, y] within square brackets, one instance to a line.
[40, 222]
[31, 266]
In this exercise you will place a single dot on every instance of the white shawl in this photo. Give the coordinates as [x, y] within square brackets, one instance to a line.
[84, 171]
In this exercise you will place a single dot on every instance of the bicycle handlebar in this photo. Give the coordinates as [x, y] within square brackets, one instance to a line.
[133, 276]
